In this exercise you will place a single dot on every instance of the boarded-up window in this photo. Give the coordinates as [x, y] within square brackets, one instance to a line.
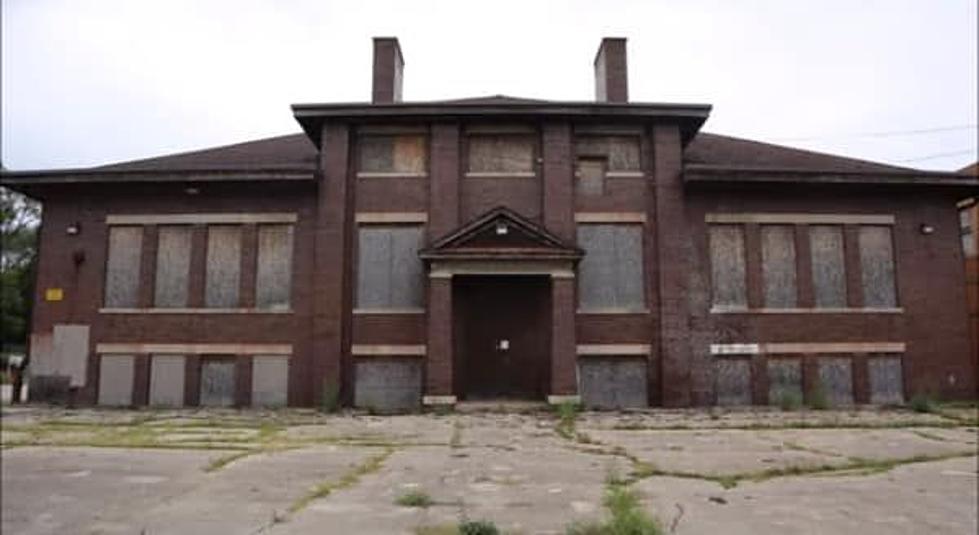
[223, 266]
[727, 266]
[784, 382]
[828, 272]
[217, 382]
[274, 277]
[116, 374]
[877, 267]
[886, 380]
[501, 154]
[732, 381]
[122, 267]
[611, 273]
[167, 380]
[389, 272]
[173, 266]
[591, 177]
[836, 380]
[617, 382]
[392, 154]
[270, 381]
[778, 265]
[621, 152]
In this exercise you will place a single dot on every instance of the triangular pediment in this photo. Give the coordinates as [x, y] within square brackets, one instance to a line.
[501, 232]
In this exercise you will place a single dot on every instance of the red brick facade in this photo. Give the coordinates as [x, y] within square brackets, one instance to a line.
[685, 178]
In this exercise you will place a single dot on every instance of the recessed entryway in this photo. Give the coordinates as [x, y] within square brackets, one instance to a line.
[502, 333]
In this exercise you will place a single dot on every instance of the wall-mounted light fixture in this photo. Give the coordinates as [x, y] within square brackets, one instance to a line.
[73, 229]
[501, 229]
[927, 229]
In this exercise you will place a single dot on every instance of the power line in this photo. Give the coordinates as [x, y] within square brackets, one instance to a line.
[891, 133]
[939, 155]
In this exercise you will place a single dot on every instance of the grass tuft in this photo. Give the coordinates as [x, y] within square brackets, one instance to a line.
[922, 403]
[567, 417]
[414, 498]
[626, 516]
[478, 527]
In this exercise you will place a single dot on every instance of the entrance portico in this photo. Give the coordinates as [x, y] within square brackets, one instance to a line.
[500, 264]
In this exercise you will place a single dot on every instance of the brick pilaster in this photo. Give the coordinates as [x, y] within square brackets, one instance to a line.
[674, 246]
[558, 170]
[563, 350]
[332, 235]
[439, 369]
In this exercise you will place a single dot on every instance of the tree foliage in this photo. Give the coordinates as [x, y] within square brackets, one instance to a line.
[19, 219]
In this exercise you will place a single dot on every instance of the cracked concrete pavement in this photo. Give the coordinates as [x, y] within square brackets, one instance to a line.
[295, 471]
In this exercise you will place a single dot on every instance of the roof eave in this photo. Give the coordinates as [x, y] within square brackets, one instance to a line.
[311, 116]
[21, 180]
[707, 173]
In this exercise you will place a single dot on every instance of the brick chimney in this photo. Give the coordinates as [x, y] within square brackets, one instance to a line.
[611, 71]
[388, 67]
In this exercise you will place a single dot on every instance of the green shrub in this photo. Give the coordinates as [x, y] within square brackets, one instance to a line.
[818, 401]
[330, 401]
[414, 498]
[922, 403]
[789, 400]
[478, 527]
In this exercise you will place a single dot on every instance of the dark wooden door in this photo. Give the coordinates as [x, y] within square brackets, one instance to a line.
[503, 336]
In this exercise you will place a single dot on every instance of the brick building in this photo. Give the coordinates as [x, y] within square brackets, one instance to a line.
[406, 253]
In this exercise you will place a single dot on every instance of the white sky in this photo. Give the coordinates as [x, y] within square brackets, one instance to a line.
[92, 82]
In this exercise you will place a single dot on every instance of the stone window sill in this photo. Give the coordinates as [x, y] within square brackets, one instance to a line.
[618, 174]
[730, 310]
[500, 174]
[387, 311]
[390, 174]
[612, 311]
[194, 311]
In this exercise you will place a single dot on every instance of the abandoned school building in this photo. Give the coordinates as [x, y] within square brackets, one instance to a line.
[397, 254]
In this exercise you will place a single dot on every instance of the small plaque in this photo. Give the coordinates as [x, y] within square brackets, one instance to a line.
[54, 294]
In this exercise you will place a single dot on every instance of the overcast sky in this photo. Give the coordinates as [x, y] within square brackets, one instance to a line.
[92, 82]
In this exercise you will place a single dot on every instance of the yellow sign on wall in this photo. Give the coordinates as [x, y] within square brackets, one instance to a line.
[54, 294]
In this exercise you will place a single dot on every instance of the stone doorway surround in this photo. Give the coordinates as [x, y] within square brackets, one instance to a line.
[500, 243]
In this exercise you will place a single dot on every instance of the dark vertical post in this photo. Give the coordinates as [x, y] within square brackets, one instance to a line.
[753, 265]
[249, 266]
[147, 266]
[853, 270]
[198, 266]
[803, 262]
[192, 380]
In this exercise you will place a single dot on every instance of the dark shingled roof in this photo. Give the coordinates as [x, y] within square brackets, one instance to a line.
[491, 99]
[715, 149]
[295, 151]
